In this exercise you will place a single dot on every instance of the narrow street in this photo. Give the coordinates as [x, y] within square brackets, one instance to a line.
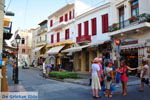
[30, 80]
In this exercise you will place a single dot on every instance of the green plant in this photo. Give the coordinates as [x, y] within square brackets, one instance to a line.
[64, 75]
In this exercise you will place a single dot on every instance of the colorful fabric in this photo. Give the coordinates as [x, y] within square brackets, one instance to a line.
[123, 76]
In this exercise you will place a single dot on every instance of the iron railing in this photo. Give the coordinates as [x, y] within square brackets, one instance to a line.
[130, 22]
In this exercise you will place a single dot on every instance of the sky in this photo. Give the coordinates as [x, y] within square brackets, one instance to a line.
[29, 13]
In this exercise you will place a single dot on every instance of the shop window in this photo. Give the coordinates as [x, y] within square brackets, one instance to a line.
[121, 16]
[79, 30]
[67, 34]
[52, 38]
[58, 37]
[86, 28]
[105, 23]
[134, 8]
[66, 17]
[94, 26]
[61, 19]
[23, 41]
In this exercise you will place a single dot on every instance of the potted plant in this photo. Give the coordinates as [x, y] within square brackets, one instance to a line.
[114, 27]
[132, 19]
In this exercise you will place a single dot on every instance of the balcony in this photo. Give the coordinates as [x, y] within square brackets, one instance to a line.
[41, 43]
[42, 30]
[58, 25]
[135, 20]
[83, 39]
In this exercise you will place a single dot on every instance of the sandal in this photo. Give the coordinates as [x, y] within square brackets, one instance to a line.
[125, 94]
[97, 97]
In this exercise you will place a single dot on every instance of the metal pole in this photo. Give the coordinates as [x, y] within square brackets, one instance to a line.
[16, 72]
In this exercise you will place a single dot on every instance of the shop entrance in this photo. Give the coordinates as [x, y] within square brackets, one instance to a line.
[67, 64]
[131, 58]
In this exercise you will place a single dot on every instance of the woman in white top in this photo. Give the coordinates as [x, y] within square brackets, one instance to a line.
[95, 78]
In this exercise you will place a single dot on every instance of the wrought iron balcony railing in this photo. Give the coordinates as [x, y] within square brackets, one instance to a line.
[130, 22]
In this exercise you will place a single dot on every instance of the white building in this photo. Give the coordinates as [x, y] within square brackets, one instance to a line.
[130, 23]
[62, 32]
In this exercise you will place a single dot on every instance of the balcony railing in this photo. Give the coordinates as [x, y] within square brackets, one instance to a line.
[84, 38]
[130, 22]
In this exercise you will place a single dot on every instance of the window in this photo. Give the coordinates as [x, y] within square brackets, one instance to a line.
[66, 17]
[94, 26]
[52, 38]
[67, 34]
[134, 8]
[70, 15]
[23, 41]
[79, 30]
[86, 28]
[23, 50]
[51, 23]
[58, 37]
[121, 17]
[61, 19]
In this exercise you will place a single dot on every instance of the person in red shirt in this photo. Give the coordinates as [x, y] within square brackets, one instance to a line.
[124, 76]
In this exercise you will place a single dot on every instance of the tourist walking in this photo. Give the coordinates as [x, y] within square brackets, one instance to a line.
[109, 78]
[95, 69]
[123, 70]
[144, 75]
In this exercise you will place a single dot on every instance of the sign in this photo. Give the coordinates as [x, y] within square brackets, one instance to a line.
[117, 42]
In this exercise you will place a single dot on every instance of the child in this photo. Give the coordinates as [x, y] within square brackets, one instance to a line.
[109, 77]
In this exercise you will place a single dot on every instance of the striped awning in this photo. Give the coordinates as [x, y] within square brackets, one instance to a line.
[133, 46]
[55, 50]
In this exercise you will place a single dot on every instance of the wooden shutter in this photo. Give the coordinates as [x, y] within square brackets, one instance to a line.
[94, 26]
[61, 19]
[70, 15]
[51, 23]
[79, 30]
[52, 38]
[66, 17]
[86, 28]
[58, 37]
[105, 23]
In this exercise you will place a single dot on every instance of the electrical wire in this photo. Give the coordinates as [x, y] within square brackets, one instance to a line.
[8, 5]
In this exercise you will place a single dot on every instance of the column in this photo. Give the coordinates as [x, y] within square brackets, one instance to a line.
[83, 61]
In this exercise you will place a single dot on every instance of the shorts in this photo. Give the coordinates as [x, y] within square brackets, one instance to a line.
[145, 80]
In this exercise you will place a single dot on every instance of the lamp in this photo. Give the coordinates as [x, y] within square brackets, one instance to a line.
[17, 38]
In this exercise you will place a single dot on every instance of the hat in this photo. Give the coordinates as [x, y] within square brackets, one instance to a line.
[96, 60]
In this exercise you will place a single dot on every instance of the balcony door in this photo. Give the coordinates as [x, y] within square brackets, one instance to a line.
[134, 8]
[121, 17]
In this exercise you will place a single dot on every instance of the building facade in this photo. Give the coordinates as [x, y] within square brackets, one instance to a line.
[62, 34]
[130, 24]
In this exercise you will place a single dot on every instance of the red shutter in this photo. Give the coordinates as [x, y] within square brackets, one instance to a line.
[51, 23]
[105, 23]
[94, 26]
[67, 34]
[61, 19]
[86, 28]
[52, 38]
[58, 37]
[79, 30]
[66, 17]
[70, 15]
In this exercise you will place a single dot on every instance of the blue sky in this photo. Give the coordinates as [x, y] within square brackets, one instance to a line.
[28, 13]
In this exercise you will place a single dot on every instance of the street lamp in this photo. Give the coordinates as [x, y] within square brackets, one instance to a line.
[17, 38]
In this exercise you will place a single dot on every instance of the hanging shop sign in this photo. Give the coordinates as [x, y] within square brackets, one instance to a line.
[118, 41]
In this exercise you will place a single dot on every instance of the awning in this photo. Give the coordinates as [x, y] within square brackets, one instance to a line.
[132, 46]
[96, 43]
[66, 42]
[55, 50]
[38, 48]
[75, 49]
